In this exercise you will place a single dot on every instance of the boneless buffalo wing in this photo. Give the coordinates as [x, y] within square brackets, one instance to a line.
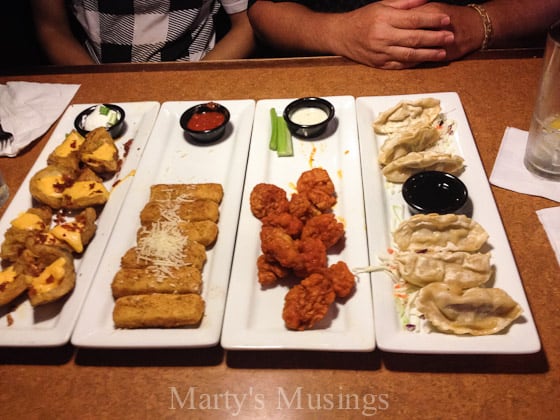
[296, 234]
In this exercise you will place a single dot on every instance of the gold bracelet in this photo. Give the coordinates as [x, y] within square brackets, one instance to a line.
[486, 22]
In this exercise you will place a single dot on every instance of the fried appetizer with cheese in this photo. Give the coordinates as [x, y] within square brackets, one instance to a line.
[87, 191]
[146, 254]
[204, 232]
[49, 272]
[175, 210]
[11, 285]
[48, 185]
[158, 310]
[187, 192]
[140, 281]
[67, 154]
[77, 234]
[26, 224]
[99, 152]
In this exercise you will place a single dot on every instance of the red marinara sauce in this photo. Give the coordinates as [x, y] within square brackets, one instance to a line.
[202, 121]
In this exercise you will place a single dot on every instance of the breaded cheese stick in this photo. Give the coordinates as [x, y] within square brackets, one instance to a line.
[203, 191]
[158, 311]
[204, 232]
[193, 255]
[139, 281]
[176, 210]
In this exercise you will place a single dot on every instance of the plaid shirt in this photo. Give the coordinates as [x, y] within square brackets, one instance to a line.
[144, 30]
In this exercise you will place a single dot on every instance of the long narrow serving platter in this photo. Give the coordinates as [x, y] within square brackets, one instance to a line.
[52, 324]
[172, 157]
[385, 208]
[253, 318]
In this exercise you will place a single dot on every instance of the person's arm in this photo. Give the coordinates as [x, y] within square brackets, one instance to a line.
[387, 34]
[511, 20]
[55, 35]
[238, 42]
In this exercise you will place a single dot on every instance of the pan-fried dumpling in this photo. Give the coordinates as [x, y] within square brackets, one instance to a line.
[440, 232]
[461, 269]
[400, 144]
[476, 311]
[407, 115]
[400, 170]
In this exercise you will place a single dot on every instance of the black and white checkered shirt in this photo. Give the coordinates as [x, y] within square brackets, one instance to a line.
[144, 30]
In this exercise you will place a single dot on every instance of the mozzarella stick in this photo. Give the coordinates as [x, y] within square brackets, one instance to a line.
[158, 311]
[176, 210]
[203, 191]
[204, 232]
[139, 281]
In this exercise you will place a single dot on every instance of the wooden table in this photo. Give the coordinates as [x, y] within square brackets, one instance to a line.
[67, 382]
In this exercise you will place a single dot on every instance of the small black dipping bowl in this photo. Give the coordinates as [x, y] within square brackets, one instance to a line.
[114, 130]
[434, 192]
[308, 131]
[210, 134]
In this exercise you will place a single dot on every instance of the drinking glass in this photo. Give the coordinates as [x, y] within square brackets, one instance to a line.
[542, 155]
[4, 191]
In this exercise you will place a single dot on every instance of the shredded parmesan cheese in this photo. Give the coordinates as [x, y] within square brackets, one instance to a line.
[162, 246]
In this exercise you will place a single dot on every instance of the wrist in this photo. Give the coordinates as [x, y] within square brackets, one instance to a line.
[487, 27]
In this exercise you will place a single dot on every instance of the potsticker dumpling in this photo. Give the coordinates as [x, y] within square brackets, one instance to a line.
[461, 269]
[399, 170]
[407, 115]
[400, 144]
[440, 232]
[476, 311]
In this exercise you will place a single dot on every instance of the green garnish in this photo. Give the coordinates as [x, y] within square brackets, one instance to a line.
[273, 143]
[103, 110]
[280, 136]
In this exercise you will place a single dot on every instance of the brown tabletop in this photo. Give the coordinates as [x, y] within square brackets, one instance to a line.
[496, 92]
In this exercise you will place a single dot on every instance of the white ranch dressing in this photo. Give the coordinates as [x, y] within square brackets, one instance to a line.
[309, 116]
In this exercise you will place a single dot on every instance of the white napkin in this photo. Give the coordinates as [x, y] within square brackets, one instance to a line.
[28, 109]
[509, 171]
[550, 219]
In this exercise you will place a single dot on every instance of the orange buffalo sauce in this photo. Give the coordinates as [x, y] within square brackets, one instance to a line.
[205, 121]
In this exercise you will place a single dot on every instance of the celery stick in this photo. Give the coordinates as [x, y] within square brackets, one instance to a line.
[273, 143]
[285, 145]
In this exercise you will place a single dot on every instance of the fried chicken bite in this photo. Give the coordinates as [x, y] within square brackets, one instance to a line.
[343, 280]
[301, 207]
[317, 185]
[286, 221]
[268, 199]
[269, 272]
[312, 257]
[278, 246]
[308, 302]
[324, 227]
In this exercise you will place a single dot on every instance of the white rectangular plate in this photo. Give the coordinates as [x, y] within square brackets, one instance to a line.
[522, 336]
[253, 318]
[171, 157]
[52, 324]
